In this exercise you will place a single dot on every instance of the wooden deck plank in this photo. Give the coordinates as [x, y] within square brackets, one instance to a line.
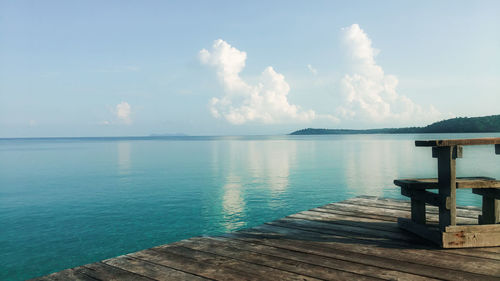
[264, 272]
[461, 212]
[102, 271]
[229, 250]
[150, 270]
[211, 270]
[382, 201]
[345, 219]
[314, 248]
[344, 230]
[370, 212]
[432, 257]
[372, 254]
[356, 239]
[381, 225]
[312, 259]
[431, 216]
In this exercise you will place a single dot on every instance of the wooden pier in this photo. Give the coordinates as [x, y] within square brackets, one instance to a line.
[356, 239]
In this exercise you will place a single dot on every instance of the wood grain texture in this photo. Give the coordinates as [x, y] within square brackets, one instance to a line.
[461, 182]
[453, 142]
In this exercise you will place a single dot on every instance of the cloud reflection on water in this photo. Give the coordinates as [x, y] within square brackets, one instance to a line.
[270, 162]
[123, 148]
[255, 165]
[233, 203]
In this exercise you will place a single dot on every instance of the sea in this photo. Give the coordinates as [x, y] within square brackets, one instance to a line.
[66, 202]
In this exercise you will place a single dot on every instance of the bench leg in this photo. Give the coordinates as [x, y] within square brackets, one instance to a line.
[418, 211]
[491, 211]
[447, 185]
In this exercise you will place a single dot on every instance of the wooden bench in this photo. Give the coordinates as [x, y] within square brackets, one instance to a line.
[447, 234]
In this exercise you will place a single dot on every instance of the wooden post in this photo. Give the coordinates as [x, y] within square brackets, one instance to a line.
[497, 148]
[447, 185]
[417, 211]
[491, 211]
[491, 205]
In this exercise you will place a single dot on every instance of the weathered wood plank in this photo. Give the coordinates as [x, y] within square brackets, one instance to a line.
[331, 227]
[102, 271]
[354, 214]
[423, 256]
[386, 245]
[398, 203]
[349, 250]
[474, 228]
[292, 267]
[345, 218]
[463, 239]
[453, 142]
[264, 272]
[465, 212]
[461, 183]
[151, 270]
[331, 263]
[344, 230]
[214, 269]
[396, 213]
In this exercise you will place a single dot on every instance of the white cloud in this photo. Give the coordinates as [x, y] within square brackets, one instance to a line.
[123, 111]
[264, 102]
[312, 69]
[368, 93]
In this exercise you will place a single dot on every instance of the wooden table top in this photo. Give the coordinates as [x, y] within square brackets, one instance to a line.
[453, 142]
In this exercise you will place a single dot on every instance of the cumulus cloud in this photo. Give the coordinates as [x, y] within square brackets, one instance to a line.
[265, 102]
[123, 111]
[368, 93]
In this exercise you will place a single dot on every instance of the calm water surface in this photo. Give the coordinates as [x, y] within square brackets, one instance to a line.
[68, 202]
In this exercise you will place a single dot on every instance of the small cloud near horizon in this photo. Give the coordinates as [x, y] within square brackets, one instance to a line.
[312, 69]
[123, 111]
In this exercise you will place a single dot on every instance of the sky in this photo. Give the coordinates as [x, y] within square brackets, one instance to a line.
[135, 68]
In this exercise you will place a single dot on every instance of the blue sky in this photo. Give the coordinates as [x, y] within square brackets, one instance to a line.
[122, 68]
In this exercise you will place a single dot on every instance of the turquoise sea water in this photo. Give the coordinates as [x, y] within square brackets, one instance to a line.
[68, 202]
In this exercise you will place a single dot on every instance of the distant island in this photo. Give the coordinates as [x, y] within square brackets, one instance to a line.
[169, 135]
[486, 124]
